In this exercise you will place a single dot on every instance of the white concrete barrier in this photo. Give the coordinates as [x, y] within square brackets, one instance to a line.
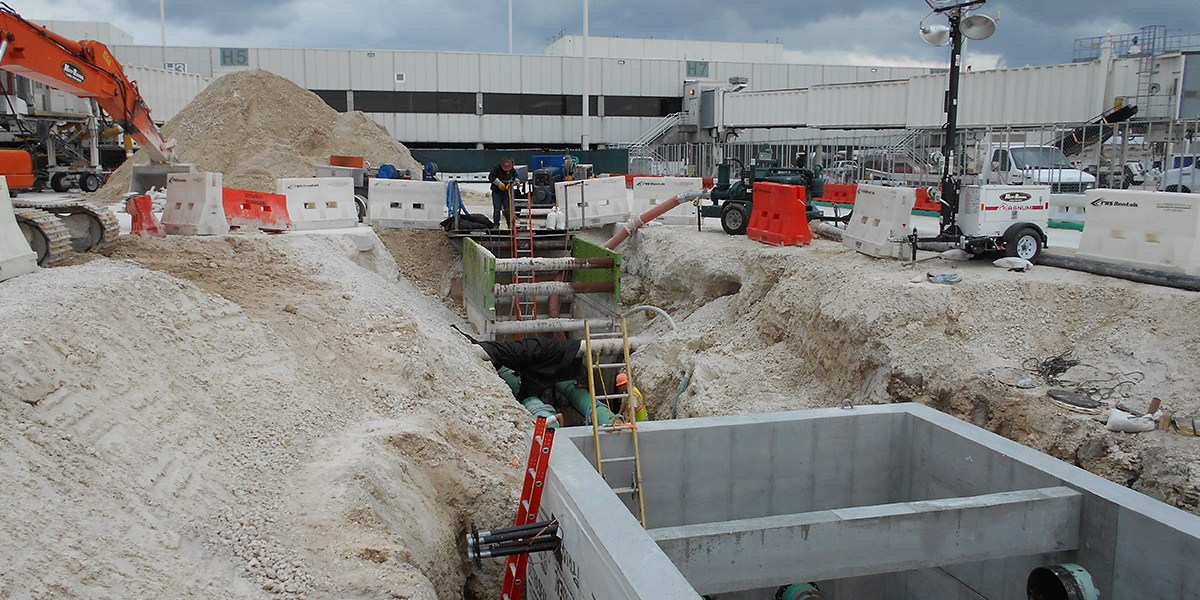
[194, 205]
[16, 257]
[404, 204]
[593, 202]
[319, 203]
[880, 214]
[1068, 208]
[649, 192]
[1153, 230]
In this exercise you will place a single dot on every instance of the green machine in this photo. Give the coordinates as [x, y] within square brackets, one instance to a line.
[734, 202]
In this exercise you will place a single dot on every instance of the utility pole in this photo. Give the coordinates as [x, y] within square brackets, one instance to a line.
[587, 135]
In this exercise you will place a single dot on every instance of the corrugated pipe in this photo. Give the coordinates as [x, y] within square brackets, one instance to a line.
[1151, 276]
[581, 400]
[829, 231]
[651, 308]
[636, 222]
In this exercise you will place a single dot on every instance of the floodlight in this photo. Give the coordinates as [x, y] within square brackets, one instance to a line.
[935, 35]
[936, 4]
[978, 27]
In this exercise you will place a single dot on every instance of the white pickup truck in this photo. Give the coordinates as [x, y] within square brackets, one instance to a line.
[1185, 179]
[1035, 165]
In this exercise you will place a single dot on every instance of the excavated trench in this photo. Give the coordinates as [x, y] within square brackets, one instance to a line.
[764, 329]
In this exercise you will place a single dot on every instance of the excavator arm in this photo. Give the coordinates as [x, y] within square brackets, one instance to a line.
[85, 69]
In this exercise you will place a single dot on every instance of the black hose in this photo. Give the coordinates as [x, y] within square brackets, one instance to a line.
[1140, 275]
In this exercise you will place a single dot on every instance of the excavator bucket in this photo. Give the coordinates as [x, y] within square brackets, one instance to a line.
[154, 175]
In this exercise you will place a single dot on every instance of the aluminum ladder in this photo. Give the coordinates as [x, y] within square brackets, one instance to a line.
[630, 424]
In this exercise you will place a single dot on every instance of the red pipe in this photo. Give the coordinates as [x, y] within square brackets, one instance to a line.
[636, 222]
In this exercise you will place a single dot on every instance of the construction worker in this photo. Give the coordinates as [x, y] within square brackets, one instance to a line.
[639, 406]
[502, 178]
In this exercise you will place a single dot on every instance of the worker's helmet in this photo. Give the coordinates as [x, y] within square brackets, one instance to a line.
[622, 379]
[506, 163]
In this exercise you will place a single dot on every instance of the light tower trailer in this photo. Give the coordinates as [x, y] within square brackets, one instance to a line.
[1012, 218]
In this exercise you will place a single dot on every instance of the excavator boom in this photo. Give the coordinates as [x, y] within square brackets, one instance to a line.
[85, 69]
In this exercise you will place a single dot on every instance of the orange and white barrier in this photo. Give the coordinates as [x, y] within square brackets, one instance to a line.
[194, 205]
[881, 215]
[404, 204]
[244, 208]
[593, 202]
[16, 257]
[1153, 230]
[319, 202]
[649, 192]
[144, 223]
[780, 217]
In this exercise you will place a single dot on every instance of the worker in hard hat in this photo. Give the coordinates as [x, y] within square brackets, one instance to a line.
[635, 395]
[502, 178]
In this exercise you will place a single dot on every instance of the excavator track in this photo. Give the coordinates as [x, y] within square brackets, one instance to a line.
[46, 234]
[85, 224]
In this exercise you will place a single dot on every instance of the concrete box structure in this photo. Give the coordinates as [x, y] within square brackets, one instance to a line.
[880, 215]
[649, 192]
[16, 257]
[319, 203]
[992, 209]
[404, 204]
[878, 502]
[194, 205]
[1153, 230]
[593, 202]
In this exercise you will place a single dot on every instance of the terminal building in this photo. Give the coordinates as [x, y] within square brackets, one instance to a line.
[670, 102]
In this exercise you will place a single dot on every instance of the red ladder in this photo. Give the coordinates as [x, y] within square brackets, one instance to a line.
[531, 501]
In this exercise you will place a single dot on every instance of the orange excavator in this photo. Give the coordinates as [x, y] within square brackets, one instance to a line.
[88, 70]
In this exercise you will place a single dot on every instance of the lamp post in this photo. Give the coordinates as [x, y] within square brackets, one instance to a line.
[938, 35]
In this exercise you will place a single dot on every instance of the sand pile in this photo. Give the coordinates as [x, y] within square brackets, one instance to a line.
[245, 417]
[256, 127]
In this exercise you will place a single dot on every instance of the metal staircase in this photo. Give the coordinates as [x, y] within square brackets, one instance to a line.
[643, 146]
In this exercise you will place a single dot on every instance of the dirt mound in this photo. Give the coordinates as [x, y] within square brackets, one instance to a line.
[245, 417]
[256, 127]
[767, 329]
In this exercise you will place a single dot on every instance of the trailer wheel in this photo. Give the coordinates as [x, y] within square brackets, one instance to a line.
[58, 182]
[1026, 243]
[734, 219]
[89, 182]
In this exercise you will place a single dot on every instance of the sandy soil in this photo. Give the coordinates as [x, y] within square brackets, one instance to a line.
[255, 127]
[244, 417]
[259, 416]
[785, 328]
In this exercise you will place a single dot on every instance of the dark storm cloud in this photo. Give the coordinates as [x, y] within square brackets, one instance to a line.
[220, 17]
[1030, 31]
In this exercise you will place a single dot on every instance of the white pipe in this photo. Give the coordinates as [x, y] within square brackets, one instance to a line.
[651, 308]
[510, 27]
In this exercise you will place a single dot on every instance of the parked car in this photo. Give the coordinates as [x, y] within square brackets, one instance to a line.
[1184, 179]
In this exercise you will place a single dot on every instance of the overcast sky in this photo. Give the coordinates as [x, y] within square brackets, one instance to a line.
[869, 32]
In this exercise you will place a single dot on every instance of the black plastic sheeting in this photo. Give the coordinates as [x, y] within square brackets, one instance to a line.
[540, 362]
